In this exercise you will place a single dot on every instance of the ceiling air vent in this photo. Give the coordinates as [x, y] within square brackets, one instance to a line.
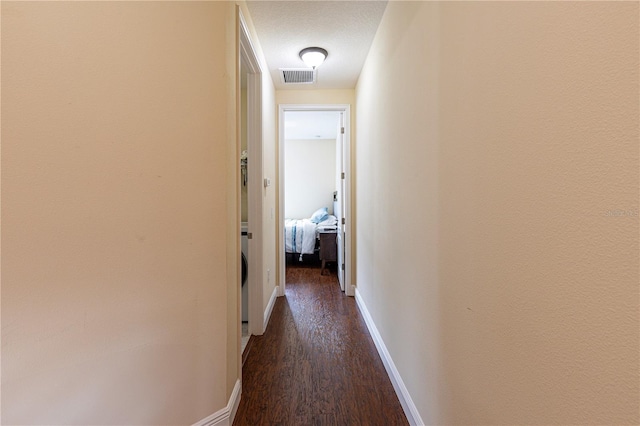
[297, 76]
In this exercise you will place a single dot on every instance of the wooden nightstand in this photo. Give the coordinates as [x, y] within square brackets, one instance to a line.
[328, 247]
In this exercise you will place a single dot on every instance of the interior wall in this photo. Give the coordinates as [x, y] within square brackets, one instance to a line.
[310, 176]
[498, 208]
[270, 199]
[316, 97]
[115, 274]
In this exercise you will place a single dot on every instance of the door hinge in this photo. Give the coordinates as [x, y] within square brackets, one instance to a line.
[343, 266]
[343, 221]
[342, 130]
[249, 235]
[342, 175]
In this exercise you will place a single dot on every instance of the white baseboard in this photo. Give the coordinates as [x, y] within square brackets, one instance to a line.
[408, 406]
[269, 309]
[225, 416]
[234, 401]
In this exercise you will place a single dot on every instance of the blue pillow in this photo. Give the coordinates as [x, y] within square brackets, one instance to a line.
[320, 215]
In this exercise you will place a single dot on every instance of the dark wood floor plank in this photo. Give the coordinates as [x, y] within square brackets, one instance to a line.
[316, 363]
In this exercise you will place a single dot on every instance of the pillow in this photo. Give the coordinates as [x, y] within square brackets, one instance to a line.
[331, 220]
[319, 215]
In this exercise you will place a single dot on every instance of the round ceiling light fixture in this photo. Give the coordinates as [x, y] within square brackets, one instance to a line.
[313, 56]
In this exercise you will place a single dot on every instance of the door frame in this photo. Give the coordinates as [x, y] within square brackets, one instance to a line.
[346, 110]
[247, 55]
[341, 182]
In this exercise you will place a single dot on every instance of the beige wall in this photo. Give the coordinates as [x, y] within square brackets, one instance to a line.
[316, 97]
[497, 140]
[118, 126]
[269, 200]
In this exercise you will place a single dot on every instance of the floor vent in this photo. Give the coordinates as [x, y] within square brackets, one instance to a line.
[297, 76]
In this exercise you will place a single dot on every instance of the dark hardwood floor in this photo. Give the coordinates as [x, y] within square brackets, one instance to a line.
[316, 363]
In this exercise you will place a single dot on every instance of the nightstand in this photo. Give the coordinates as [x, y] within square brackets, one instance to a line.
[328, 247]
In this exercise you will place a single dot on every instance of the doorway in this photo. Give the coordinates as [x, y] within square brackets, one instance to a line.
[333, 192]
[244, 206]
[249, 150]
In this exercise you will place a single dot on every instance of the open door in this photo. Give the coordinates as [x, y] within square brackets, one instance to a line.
[339, 204]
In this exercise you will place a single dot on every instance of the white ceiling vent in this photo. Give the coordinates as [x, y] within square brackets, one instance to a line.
[297, 75]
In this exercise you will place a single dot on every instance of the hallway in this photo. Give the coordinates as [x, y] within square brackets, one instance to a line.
[493, 240]
[316, 363]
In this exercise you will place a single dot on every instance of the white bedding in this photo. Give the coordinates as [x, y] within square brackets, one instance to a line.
[299, 236]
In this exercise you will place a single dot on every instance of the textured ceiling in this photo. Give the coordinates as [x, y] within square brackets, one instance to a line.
[344, 28]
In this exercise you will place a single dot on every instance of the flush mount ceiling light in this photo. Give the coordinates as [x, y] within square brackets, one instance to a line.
[313, 56]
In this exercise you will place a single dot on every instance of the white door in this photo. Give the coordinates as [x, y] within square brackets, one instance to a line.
[340, 204]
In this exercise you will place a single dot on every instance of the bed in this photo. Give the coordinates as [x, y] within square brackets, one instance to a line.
[301, 235]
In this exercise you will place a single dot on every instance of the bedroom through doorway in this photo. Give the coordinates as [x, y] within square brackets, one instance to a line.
[313, 173]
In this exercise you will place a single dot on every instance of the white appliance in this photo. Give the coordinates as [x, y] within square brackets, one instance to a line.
[244, 239]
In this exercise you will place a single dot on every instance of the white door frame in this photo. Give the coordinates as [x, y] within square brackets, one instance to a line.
[346, 109]
[248, 56]
[340, 186]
